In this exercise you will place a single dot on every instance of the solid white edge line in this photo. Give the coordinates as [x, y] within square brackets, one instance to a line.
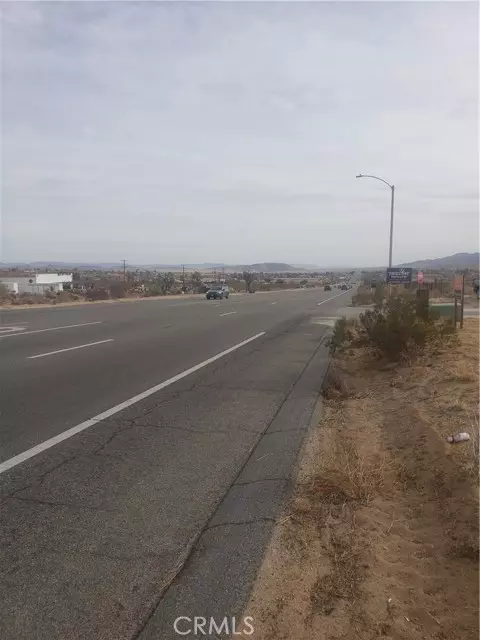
[227, 314]
[80, 346]
[51, 442]
[68, 326]
[332, 298]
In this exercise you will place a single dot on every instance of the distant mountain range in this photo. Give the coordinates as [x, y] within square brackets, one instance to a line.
[268, 267]
[61, 265]
[457, 261]
[104, 266]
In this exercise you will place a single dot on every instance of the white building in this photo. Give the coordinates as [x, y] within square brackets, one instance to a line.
[37, 283]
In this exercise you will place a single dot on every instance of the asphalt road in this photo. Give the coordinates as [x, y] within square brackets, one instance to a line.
[126, 439]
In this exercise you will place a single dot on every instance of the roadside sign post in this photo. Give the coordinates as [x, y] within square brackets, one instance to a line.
[462, 300]
[458, 292]
[422, 303]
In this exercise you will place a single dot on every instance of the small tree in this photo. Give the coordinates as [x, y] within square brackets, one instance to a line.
[249, 278]
[196, 280]
[165, 282]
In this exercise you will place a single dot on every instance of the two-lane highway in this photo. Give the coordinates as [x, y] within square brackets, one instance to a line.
[134, 436]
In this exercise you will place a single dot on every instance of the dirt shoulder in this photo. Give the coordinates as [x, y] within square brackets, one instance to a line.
[381, 536]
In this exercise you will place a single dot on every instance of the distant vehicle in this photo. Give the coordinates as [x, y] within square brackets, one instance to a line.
[327, 287]
[344, 287]
[217, 292]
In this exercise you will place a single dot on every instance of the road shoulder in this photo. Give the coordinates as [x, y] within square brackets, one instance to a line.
[217, 577]
[380, 538]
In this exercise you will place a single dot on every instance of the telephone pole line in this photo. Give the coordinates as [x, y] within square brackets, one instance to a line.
[124, 270]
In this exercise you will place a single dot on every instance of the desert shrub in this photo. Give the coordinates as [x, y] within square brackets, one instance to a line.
[118, 289]
[153, 290]
[4, 292]
[66, 296]
[335, 384]
[343, 334]
[379, 294]
[393, 329]
[96, 294]
[51, 295]
[29, 298]
[396, 331]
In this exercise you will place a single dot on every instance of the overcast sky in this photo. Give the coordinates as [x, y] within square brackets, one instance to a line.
[232, 132]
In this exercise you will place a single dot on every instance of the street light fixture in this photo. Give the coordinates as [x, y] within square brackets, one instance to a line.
[392, 188]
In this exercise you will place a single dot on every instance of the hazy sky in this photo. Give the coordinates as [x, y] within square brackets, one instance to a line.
[232, 132]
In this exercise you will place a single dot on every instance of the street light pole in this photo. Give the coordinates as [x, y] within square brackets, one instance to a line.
[392, 189]
[391, 227]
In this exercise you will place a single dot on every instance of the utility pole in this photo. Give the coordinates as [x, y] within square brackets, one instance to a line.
[124, 270]
[183, 277]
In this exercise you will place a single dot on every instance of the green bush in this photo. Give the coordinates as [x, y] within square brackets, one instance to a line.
[343, 334]
[396, 331]
[393, 329]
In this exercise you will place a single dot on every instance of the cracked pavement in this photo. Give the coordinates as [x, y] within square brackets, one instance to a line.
[165, 508]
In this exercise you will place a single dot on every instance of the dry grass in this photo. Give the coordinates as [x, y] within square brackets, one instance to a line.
[461, 371]
[445, 392]
[335, 384]
[354, 476]
[381, 537]
[343, 582]
[471, 448]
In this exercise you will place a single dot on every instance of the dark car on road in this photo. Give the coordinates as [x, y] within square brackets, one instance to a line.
[344, 287]
[217, 292]
[327, 287]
